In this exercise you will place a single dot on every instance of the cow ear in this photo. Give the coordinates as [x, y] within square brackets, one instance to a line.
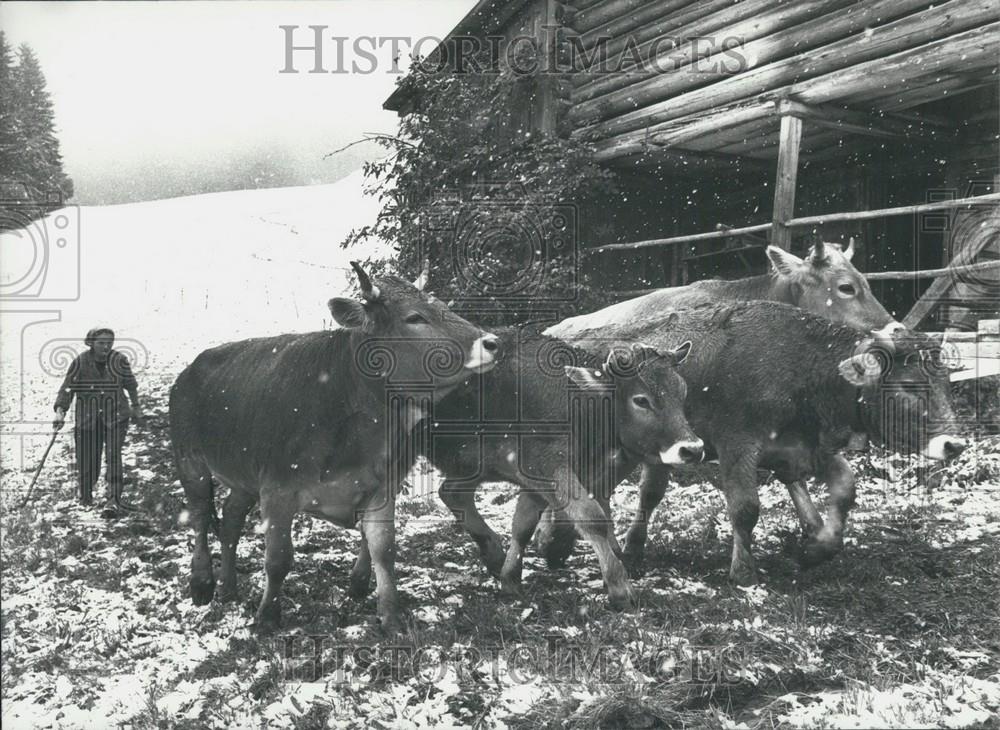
[679, 354]
[861, 370]
[348, 313]
[785, 263]
[586, 377]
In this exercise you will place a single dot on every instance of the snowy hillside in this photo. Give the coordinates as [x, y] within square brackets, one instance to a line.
[171, 277]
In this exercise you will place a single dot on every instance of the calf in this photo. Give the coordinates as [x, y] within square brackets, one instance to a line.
[312, 423]
[774, 387]
[566, 434]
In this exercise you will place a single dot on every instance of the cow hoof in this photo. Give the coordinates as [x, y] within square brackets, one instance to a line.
[202, 590]
[266, 627]
[813, 553]
[635, 563]
[743, 575]
[623, 600]
[227, 596]
[359, 588]
[391, 625]
[511, 591]
[268, 620]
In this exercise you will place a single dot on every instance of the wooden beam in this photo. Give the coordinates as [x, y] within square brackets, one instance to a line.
[852, 121]
[784, 184]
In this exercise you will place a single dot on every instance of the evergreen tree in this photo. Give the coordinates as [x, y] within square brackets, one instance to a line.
[39, 155]
[11, 161]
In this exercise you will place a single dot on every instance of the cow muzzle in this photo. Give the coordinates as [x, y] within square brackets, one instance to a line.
[944, 447]
[684, 452]
[483, 355]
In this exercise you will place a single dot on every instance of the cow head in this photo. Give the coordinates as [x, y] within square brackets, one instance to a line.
[411, 336]
[649, 402]
[826, 283]
[905, 393]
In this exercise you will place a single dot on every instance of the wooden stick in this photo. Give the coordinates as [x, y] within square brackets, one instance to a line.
[728, 233]
[27, 495]
[933, 273]
[818, 220]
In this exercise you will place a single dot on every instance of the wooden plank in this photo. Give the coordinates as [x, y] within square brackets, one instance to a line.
[784, 186]
[827, 64]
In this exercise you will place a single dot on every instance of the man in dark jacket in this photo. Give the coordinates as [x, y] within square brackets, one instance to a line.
[99, 378]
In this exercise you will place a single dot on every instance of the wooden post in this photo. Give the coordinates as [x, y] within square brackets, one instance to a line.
[784, 184]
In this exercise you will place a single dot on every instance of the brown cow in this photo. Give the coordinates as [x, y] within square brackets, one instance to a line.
[825, 283]
[313, 423]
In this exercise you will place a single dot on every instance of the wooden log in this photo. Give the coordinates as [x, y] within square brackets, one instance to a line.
[830, 28]
[848, 120]
[713, 123]
[767, 80]
[623, 24]
[595, 15]
[738, 24]
[784, 186]
[951, 54]
[933, 273]
[641, 38]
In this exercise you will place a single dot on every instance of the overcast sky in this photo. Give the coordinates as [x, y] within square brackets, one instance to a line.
[161, 99]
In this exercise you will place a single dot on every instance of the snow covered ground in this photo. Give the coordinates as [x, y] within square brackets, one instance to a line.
[98, 629]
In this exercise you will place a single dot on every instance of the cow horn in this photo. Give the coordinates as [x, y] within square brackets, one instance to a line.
[818, 253]
[421, 281]
[849, 251]
[369, 292]
[884, 336]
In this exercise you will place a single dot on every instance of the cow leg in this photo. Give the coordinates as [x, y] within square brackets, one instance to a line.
[379, 527]
[526, 515]
[361, 573]
[739, 485]
[593, 523]
[460, 498]
[652, 487]
[197, 482]
[829, 540]
[277, 511]
[809, 517]
[234, 517]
